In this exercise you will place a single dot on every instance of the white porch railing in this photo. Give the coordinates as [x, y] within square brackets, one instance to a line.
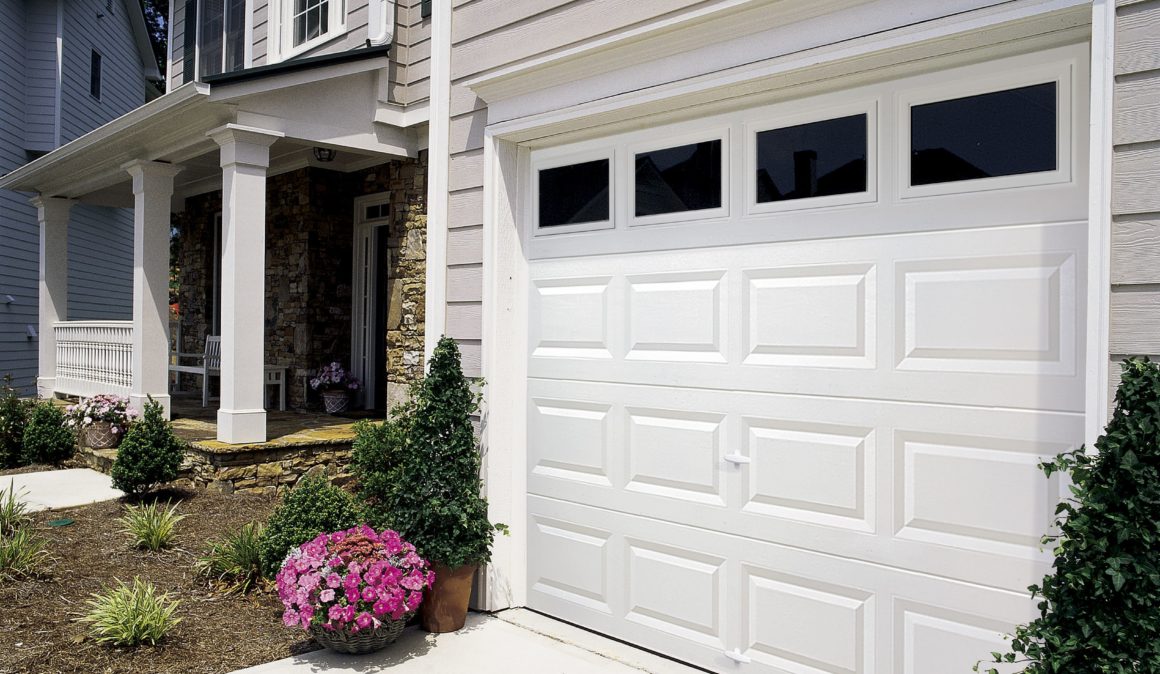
[94, 357]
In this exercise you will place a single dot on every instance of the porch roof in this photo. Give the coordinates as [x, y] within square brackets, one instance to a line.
[335, 106]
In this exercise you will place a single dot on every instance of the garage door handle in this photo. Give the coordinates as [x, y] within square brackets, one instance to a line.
[737, 458]
[737, 656]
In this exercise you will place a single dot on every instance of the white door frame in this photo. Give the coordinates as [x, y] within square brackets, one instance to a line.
[364, 271]
[505, 281]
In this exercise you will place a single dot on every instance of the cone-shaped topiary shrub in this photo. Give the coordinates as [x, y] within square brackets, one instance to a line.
[149, 455]
[1100, 609]
[46, 437]
[419, 472]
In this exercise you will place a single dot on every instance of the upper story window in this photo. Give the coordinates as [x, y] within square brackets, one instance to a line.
[307, 23]
[215, 38]
[95, 75]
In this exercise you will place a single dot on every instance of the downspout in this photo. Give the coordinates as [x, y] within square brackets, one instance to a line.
[380, 23]
[59, 72]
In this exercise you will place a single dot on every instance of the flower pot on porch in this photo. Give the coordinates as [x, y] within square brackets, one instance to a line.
[335, 401]
[100, 435]
[444, 607]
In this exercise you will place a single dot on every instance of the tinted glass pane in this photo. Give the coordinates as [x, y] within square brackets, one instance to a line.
[812, 160]
[574, 194]
[998, 134]
[676, 179]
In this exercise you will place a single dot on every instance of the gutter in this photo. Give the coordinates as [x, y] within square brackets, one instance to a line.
[297, 65]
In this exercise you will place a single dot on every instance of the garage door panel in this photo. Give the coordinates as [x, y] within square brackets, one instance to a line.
[571, 562]
[847, 477]
[571, 439]
[1007, 315]
[695, 594]
[955, 317]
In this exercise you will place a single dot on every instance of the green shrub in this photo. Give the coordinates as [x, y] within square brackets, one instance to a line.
[14, 513]
[1100, 606]
[419, 473]
[21, 554]
[152, 526]
[46, 437]
[14, 413]
[149, 455]
[235, 561]
[313, 507]
[129, 615]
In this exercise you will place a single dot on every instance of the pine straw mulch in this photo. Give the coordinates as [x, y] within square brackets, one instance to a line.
[218, 632]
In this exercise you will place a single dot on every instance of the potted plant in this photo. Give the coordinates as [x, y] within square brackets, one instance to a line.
[101, 421]
[336, 385]
[419, 475]
[353, 590]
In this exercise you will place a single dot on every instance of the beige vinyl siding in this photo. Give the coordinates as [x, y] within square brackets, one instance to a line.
[1135, 256]
[261, 32]
[411, 54]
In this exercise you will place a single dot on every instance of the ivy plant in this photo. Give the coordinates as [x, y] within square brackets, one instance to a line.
[1100, 608]
[419, 472]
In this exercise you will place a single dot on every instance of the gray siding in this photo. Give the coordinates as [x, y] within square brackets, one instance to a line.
[100, 269]
[40, 75]
[412, 54]
[123, 82]
[100, 255]
[1135, 258]
[17, 218]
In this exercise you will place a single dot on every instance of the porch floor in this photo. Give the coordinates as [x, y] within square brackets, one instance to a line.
[292, 428]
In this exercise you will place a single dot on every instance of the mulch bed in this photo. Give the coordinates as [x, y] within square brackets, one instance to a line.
[218, 632]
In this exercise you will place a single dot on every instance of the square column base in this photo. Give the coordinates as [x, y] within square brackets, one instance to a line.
[237, 427]
[138, 400]
[45, 387]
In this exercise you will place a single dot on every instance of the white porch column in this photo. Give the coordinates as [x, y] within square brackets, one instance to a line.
[52, 214]
[245, 156]
[152, 195]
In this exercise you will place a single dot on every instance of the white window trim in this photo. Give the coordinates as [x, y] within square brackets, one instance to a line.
[799, 113]
[983, 79]
[281, 27]
[664, 141]
[549, 160]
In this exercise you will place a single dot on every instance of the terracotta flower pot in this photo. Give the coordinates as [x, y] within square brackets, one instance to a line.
[444, 607]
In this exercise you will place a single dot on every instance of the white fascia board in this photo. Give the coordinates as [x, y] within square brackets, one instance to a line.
[136, 13]
[402, 116]
[64, 163]
[1056, 21]
[233, 91]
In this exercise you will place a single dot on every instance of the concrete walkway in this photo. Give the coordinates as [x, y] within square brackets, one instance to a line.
[54, 489]
[509, 642]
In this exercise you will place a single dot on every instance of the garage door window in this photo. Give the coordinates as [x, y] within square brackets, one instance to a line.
[678, 179]
[574, 196]
[818, 159]
[1001, 133]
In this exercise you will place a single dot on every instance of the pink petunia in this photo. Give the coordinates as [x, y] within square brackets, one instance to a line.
[326, 595]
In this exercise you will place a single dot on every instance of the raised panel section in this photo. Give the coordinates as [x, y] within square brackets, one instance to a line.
[675, 453]
[820, 316]
[569, 561]
[934, 639]
[569, 318]
[675, 590]
[1005, 315]
[676, 316]
[812, 472]
[569, 439]
[973, 491]
[801, 625]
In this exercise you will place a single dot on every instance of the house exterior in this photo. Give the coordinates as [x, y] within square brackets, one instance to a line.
[778, 304]
[65, 68]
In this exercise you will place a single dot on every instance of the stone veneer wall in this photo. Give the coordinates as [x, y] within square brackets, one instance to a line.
[309, 238]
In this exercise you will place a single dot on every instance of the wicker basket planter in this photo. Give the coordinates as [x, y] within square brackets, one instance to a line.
[100, 435]
[335, 401]
[361, 642]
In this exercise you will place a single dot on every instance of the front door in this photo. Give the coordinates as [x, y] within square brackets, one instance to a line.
[370, 299]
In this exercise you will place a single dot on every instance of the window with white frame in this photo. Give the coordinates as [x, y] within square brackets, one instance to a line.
[305, 24]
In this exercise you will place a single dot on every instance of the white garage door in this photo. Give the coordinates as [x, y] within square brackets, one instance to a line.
[792, 369]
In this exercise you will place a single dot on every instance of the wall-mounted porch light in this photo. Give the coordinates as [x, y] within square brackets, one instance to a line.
[324, 154]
